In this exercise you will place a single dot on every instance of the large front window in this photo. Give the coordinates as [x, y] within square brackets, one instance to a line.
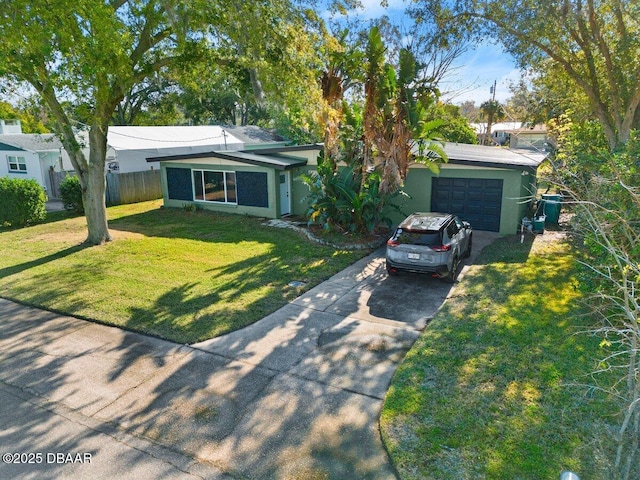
[17, 164]
[212, 186]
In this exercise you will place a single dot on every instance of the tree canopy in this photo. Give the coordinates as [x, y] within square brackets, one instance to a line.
[595, 42]
[88, 56]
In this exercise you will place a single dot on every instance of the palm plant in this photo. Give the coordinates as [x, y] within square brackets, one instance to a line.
[397, 129]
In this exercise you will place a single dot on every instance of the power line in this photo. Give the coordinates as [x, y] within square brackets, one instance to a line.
[223, 135]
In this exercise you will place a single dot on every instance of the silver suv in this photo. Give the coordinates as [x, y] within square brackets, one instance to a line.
[429, 243]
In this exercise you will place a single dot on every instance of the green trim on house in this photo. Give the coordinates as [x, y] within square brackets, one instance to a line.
[273, 201]
[10, 148]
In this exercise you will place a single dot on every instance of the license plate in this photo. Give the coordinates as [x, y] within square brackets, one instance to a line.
[413, 256]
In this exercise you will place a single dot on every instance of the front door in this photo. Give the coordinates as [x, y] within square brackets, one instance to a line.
[285, 197]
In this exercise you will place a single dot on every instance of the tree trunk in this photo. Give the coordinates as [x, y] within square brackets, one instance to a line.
[93, 183]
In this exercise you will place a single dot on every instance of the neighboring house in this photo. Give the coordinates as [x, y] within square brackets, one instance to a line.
[37, 156]
[499, 131]
[128, 147]
[10, 126]
[487, 186]
[534, 137]
[262, 182]
[514, 135]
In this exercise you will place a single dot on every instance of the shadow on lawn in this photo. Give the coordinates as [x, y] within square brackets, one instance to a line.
[13, 269]
[204, 225]
[228, 297]
[493, 400]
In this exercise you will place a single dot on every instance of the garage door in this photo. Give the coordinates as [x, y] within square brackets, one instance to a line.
[478, 201]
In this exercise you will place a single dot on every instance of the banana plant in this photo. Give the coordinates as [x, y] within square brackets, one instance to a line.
[397, 127]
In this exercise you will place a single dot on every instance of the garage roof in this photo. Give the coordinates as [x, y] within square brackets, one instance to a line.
[487, 156]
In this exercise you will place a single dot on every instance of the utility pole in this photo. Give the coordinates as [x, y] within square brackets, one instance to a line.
[491, 110]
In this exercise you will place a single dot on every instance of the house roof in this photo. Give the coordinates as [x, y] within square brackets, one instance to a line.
[488, 156]
[290, 148]
[166, 137]
[33, 142]
[508, 127]
[275, 161]
[252, 135]
[267, 157]
[530, 129]
[10, 148]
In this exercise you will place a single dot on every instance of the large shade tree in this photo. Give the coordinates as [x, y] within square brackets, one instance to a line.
[90, 55]
[595, 42]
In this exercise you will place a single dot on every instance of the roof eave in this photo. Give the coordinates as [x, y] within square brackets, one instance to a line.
[231, 157]
[490, 164]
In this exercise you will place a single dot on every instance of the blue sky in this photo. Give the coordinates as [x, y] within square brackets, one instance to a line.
[473, 74]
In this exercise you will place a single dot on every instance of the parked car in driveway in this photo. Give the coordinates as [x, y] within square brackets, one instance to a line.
[429, 243]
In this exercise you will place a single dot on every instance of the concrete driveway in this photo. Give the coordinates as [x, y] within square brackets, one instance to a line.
[296, 395]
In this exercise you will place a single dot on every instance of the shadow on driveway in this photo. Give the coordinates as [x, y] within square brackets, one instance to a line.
[295, 395]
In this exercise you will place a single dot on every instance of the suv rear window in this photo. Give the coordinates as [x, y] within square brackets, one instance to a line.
[425, 237]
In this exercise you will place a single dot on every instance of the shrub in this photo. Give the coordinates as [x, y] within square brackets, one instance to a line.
[22, 201]
[342, 201]
[71, 194]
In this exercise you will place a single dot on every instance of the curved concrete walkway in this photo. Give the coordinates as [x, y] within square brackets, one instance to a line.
[296, 395]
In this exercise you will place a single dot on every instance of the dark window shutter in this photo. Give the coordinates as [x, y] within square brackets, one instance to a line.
[179, 184]
[252, 189]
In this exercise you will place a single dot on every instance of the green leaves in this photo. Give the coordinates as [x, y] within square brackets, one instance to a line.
[396, 116]
[342, 200]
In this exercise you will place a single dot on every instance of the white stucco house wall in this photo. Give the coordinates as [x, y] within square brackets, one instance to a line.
[32, 156]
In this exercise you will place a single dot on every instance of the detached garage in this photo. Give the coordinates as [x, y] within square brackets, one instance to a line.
[490, 187]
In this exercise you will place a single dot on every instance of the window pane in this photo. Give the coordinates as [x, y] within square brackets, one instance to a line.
[197, 185]
[214, 186]
[17, 164]
[231, 187]
[427, 237]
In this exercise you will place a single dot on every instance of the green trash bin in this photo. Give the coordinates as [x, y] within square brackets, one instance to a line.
[538, 224]
[552, 205]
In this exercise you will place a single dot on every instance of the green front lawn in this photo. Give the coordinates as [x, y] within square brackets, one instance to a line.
[184, 276]
[495, 386]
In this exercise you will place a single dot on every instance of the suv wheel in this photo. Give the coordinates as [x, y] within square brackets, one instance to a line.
[453, 273]
[467, 253]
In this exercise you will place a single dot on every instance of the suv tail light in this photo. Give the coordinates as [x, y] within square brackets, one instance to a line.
[392, 242]
[441, 248]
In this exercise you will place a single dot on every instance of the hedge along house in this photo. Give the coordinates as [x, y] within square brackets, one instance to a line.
[490, 187]
[262, 182]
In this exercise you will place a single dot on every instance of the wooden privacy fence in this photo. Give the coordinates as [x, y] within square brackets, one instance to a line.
[133, 187]
[122, 188]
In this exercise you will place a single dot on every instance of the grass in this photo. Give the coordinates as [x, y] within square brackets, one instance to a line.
[183, 276]
[494, 387]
